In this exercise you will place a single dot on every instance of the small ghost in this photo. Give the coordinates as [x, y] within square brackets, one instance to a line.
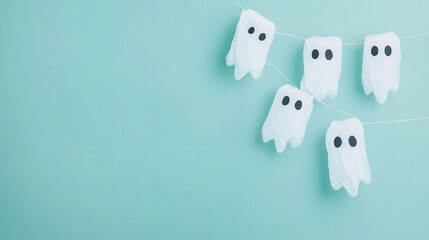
[249, 48]
[322, 66]
[288, 117]
[381, 65]
[347, 159]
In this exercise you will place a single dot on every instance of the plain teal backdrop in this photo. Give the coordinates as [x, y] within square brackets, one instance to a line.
[120, 120]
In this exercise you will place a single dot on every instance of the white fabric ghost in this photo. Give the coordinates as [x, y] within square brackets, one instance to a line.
[322, 66]
[288, 117]
[347, 159]
[381, 65]
[249, 48]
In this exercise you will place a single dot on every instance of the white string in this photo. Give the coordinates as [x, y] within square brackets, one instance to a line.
[303, 38]
[239, 4]
[355, 43]
[281, 73]
[348, 114]
[290, 35]
[337, 109]
[350, 44]
[346, 43]
[415, 35]
[397, 121]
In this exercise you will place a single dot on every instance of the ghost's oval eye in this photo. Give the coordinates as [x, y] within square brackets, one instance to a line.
[298, 105]
[352, 141]
[374, 51]
[329, 54]
[285, 100]
[315, 54]
[337, 142]
[388, 50]
[251, 30]
[262, 37]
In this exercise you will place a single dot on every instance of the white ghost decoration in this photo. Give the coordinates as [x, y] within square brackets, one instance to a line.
[322, 66]
[288, 117]
[249, 48]
[347, 159]
[381, 65]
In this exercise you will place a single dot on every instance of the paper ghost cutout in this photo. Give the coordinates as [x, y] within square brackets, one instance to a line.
[249, 48]
[381, 65]
[288, 117]
[322, 66]
[347, 159]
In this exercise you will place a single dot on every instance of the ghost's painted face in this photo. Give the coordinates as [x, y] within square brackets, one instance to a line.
[249, 48]
[322, 66]
[347, 159]
[381, 65]
[288, 117]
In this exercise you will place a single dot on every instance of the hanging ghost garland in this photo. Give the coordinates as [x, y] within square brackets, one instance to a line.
[249, 48]
[347, 159]
[381, 65]
[322, 66]
[288, 117]
[291, 109]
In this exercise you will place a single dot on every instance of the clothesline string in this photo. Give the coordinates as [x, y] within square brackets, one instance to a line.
[354, 43]
[346, 43]
[239, 4]
[284, 76]
[397, 121]
[289, 35]
[348, 114]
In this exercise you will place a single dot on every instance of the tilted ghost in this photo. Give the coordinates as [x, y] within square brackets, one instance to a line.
[381, 65]
[347, 159]
[249, 48]
[322, 66]
[288, 117]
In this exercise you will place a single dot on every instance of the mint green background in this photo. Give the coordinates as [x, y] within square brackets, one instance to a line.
[120, 120]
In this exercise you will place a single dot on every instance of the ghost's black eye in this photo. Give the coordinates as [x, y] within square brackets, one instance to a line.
[315, 54]
[337, 142]
[262, 36]
[285, 101]
[388, 50]
[251, 30]
[298, 105]
[374, 51]
[352, 141]
[329, 54]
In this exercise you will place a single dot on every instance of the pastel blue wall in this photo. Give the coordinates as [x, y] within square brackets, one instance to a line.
[120, 120]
